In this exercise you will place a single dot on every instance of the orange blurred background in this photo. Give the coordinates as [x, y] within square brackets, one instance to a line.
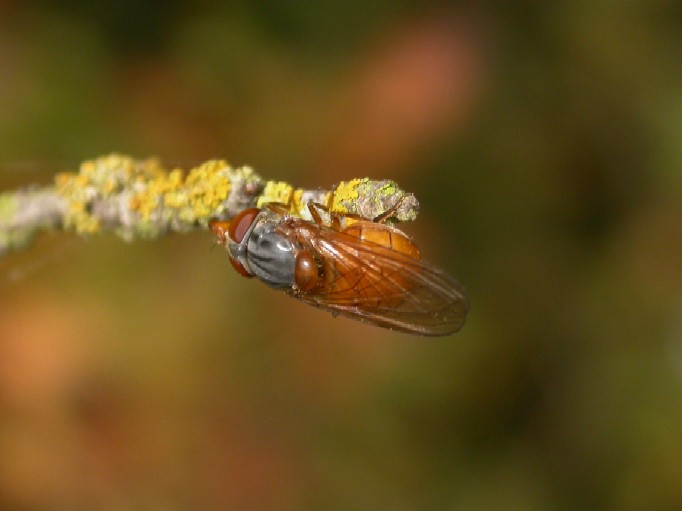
[543, 141]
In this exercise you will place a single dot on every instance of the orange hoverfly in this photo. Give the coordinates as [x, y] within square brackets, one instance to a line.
[365, 270]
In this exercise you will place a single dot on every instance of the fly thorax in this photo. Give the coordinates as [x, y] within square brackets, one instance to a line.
[271, 257]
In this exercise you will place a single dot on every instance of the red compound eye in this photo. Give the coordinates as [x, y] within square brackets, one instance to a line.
[241, 223]
[240, 269]
[235, 231]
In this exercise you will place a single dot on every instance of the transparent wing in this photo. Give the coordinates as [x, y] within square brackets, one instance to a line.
[368, 282]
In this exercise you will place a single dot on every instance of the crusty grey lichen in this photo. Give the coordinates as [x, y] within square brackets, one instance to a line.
[143, 199]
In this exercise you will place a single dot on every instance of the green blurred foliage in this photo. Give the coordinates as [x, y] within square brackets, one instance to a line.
[543, 140]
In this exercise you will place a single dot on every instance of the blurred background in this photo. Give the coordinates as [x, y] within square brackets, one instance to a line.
[544, 141]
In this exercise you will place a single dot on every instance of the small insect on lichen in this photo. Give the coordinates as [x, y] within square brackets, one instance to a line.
[358, 268]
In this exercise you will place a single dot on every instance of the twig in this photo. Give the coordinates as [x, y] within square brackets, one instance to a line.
[140, 199]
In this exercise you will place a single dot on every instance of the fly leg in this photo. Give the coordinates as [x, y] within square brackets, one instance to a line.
[334, 219]
[383, 217]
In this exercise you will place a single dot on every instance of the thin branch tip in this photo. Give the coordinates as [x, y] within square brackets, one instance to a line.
[143, 199]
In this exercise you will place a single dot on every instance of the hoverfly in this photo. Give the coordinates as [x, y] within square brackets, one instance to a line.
[365, 270]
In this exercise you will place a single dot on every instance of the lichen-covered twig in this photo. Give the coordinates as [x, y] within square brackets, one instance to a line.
[143, 199]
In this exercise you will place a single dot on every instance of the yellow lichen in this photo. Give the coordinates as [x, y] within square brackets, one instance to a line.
[80, 220]
[87, 224]
[297, 201]
[345, 191]
[144, 203]
[207, 187]
[276, 192]
[159, 197]
[390, 188]
[198, 195]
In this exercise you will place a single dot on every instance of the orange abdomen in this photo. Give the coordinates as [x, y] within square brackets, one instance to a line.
[376, 282]
[385, 236]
